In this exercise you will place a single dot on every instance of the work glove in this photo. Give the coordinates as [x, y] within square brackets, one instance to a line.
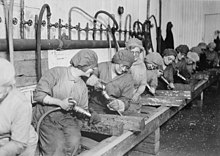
[94, 81]
[116, 105]
[171, 86]
[67, 104]
[95, 117]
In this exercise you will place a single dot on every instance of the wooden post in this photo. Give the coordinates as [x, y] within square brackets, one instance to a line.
[149, 146]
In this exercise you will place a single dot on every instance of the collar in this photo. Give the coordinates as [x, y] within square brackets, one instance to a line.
[75, 73]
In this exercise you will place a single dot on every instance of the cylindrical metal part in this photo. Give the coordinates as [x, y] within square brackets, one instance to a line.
[30, 44]
[80, 110]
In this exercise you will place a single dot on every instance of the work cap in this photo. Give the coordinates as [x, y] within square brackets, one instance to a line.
[154, 58]
[183, 49]
[134, 42]
[7, 72]
[123, 57]
[197, 50]
[212, 45]
[193, 56]
[85, 59]
[169, 52]
[202, 45]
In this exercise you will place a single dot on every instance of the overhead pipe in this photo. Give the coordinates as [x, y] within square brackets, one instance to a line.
[113, 29]
[38, 37]
[54, 44]
[128, 17]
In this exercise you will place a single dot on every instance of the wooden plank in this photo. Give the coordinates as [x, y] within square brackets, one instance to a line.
[28, 67]
[148, 110]
[133, 123]
[174, 93]
[88, 143]
[163, 100]
[149, 148]
[153, 137]
[125, 142]
[29, 55]
[26, 72]
[105, 128]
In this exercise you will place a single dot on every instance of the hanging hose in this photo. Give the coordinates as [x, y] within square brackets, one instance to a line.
[75, 108]
[90, 16]
[9, 28]
[113, 29]
[38, 37]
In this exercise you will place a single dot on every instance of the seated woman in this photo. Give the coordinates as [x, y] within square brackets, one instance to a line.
[186, 67]
[118, 81]
[138, 68]
[154, 65]
[166, 80]
[17, 136]
[212, 59]
[63, 87]
[182, 51]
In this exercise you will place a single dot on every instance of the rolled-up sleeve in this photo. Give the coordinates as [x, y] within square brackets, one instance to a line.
[45, 85]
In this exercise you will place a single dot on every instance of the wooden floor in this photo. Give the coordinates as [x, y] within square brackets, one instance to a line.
[139, 134]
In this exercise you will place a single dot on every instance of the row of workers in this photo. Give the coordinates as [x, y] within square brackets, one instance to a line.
[124, 79]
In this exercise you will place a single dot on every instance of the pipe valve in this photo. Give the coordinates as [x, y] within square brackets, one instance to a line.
[14, 20]
[55, 25]
[29, 22]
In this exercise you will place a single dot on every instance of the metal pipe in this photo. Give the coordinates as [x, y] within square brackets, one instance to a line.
[53, 44]
[22, 19]
[129, 26]
[159, 28]
[38, 37]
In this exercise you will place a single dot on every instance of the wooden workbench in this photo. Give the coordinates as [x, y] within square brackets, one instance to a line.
[146, 142]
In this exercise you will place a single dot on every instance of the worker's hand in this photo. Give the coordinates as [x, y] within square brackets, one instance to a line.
[94, 81]
[67, 104]
[95, 118]
[171, 86]
[136, 97]
[116, 105]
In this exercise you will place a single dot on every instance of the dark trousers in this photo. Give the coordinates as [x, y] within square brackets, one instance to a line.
[59, 139]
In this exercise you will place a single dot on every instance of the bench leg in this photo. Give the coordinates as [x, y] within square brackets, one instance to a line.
[149, 146]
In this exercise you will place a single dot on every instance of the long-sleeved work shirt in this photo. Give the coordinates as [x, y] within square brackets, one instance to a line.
[120, 87]
[211, 58]
[168, 74]
[138, 71]
[183, 70]
[60, 83]
[15, 122]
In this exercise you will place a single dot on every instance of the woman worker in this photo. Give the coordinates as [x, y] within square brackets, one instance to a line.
[118, 84]
[167, 80]
[154, 64]
[138, 68]
[17, 136]
[59, 133]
